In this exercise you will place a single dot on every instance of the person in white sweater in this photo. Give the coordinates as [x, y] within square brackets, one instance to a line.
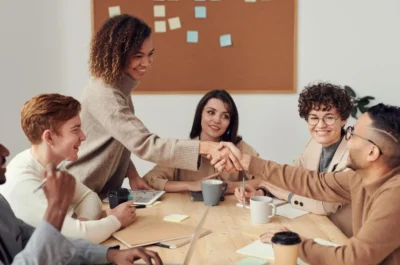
[52, 124]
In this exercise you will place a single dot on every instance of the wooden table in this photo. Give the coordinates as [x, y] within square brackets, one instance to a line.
[231, 229]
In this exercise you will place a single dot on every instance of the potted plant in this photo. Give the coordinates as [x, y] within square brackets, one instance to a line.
[360, 103]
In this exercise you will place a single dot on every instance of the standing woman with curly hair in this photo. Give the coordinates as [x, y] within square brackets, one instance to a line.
[121, 53]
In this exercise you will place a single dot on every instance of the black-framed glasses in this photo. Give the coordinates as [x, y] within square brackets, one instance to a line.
[350, 133]
[328, 119]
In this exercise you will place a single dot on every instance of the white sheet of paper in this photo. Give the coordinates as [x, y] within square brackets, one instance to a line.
[114, 11]
[288, 211]
[250, 1]
[325, 242]
[174, 23]
[261, 250]
[160, 26]
[159, 11]
[258, 249]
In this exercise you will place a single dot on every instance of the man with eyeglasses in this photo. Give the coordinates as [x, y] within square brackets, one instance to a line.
[372, 186]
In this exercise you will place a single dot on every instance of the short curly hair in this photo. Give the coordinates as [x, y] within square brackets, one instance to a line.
[329, 95]
[114, 45]
[47, 111]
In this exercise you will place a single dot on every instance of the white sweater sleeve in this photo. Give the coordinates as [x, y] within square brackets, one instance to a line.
[87, 203]
[30, 207]
[94, 231]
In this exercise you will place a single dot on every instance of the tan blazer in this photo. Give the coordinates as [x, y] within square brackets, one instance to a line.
[159, 175]
[338, 213]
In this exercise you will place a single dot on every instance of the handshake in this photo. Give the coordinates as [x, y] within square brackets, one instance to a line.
[225, 156]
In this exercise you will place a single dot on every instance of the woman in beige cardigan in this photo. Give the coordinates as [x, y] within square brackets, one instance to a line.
[326, 108]
[216, 119]
[121, 54]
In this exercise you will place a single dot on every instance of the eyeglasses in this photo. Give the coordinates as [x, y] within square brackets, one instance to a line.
[350, 133]
[327, 119]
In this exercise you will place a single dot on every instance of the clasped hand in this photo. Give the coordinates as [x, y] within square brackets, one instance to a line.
[225, 156]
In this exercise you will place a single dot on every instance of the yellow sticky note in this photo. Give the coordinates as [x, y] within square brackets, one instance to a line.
[159, 11]
[114, 11]
[174, 23]
[160, 26]
[175, 218]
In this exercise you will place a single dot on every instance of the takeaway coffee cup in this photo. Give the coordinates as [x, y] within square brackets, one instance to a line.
[262, 209]
[285, 246]
[212, 190]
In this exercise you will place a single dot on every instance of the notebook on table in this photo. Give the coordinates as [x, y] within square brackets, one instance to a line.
[194, 237]
[161, 231]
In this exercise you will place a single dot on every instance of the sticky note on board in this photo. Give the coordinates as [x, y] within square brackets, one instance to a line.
[159, 11]
[200, 12]
[114, 11]
[225, 40]
[192, 36]
[199, 0]
[252, 261]
[160, 26]
[250, 1]
[174, 23]
[175, 218]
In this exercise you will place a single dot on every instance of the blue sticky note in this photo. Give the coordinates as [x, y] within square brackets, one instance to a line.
[192, 36]
[225, 40]
[200, 12]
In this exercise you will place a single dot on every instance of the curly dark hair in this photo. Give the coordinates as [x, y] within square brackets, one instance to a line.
[329, 95]
[114, 45]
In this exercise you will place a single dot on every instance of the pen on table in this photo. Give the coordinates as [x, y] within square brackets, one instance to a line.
[138, 206]
[61, 166]
[243, 196]
[162, 245]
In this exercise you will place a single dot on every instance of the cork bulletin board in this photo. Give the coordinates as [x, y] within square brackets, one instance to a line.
[259, 55]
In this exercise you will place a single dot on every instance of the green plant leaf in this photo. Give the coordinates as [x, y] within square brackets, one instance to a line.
[350, 91]
[363, 101]
[363, 109]
[354, 113]
[369, 97]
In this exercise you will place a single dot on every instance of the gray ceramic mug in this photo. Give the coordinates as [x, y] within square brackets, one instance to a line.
[212, 190]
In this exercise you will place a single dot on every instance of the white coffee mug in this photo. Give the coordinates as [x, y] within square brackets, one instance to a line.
[262, 209]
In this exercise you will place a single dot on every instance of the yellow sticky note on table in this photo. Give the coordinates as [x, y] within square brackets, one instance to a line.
[175, 218]
[160, 26]
[114, 11]
[174, 23]
[159, 11]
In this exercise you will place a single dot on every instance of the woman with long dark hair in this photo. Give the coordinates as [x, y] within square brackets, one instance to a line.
[216, 119]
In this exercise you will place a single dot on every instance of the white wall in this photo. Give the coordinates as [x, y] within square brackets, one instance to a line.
[30, 59]
[346, 42]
